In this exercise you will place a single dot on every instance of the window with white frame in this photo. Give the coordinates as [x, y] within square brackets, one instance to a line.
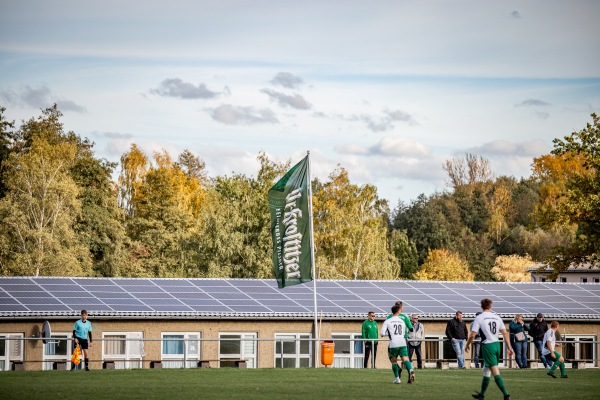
[57, 348]
[292, 350]
[579, 348]
[11, 349]
[237, 346]
[180, 349]
[348, 351]
[123, 348]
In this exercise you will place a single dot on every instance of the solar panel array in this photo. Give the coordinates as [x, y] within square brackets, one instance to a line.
[47, 296]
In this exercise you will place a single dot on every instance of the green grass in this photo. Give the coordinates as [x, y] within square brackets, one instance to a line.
[231, 383]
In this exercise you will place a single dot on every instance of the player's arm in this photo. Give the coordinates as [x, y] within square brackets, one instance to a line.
[384, 328]
[90, 338]
[470, 340]
[549, 346]
[507, 341]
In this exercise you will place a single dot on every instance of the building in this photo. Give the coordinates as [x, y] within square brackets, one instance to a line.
[574, 274]
[174, 323]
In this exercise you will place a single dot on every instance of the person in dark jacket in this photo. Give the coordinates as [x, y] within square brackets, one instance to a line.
[537, 329]
[457, 333]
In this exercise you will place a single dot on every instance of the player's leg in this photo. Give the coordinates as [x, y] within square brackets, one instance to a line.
[393, 354]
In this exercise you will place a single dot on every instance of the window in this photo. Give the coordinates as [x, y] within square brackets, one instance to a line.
[542, 279]
[583, 280]
[563, 279]
[348, 352]
[596, 280]
[121, 347]
[237, 346]
[180, 349]
[10, 350]
[58, 348]
[292, 350]
[581, 348]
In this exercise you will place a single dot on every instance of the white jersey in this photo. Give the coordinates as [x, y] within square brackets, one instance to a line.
[395, 329]
[488, 325]
[548, 336]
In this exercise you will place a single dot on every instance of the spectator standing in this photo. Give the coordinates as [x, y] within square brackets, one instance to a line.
[537, 329]
[417, 332]
[518, 339]
[370, 333]
[476, 345]
[456, 332]
[82, 335]
[490, 326]
[550, 352]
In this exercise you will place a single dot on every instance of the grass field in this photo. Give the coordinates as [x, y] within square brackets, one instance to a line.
[230, 383]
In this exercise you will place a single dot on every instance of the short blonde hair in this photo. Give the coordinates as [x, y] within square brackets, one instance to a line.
[517, 317]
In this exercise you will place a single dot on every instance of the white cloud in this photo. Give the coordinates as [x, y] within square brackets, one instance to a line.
[175, 87]
[287, 80]
[294, 101]
[239, 115]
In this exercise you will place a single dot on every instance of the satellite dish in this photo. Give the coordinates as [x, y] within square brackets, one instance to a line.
[46, 332]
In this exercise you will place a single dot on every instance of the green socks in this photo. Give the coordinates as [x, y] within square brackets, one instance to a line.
[484, 384]
[500, 384]
[396, 370]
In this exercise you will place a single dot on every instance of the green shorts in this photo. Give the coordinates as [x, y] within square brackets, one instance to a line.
[397, 352]
[491, 354]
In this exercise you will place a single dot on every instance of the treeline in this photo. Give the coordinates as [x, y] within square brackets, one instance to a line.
[61, 213]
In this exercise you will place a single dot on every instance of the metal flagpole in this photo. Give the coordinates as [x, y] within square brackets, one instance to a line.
[312, 261]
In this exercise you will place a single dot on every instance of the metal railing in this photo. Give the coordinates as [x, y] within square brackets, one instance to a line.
[185, 358]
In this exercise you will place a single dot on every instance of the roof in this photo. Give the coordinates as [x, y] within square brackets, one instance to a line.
[161, 298]
[579, 268]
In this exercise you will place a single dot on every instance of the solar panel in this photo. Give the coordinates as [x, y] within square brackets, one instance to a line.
[240, 296]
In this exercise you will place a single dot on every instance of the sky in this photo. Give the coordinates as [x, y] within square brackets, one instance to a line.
[388, 90]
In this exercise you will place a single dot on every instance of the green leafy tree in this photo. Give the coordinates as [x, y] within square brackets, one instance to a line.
[405, 252]
[6, 140]
[351, 231]
[234, 237]
[40, 209]
[428, 222]
[582, 203]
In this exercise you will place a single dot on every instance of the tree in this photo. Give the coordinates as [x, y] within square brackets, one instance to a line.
[39, 211]
[6, 141]
[164, 203]
[444, 265]
[468, 171]
[513, 268]
[350, 229]
[406, 253]
[553, 172]
[430, 223]
[583, 200]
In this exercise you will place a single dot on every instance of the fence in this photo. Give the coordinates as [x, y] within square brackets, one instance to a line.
[284, 351]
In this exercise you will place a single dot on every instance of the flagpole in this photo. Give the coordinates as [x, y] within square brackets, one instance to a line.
[312, 258]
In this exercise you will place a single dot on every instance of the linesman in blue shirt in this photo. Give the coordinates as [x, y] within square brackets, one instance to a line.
[82, 335]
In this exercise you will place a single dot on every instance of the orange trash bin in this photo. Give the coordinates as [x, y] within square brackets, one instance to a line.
[327, 350]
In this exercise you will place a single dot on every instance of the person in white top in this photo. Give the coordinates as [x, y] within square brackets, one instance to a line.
[548, 351]
[489, 326]
[395, 329]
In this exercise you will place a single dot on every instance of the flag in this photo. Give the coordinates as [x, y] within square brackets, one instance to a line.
[291, 226]
[76, 357]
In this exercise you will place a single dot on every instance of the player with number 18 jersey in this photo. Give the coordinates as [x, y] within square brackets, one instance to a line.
[489, 325]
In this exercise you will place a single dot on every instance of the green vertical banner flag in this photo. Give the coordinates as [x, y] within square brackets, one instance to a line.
[291, 227]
